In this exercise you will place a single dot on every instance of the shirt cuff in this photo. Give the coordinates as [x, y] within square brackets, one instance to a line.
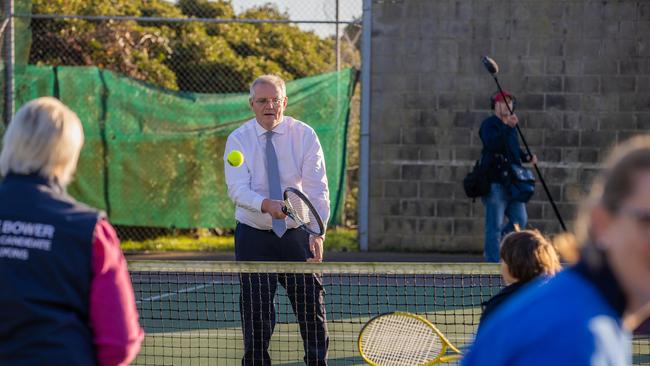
[257, 202]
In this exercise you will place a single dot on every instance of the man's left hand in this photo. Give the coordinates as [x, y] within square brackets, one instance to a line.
[316, 247]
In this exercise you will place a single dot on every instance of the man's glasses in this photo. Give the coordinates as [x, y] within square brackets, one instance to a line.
[276, 102]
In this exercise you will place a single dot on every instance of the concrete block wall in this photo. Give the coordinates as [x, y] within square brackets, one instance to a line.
[580, 70]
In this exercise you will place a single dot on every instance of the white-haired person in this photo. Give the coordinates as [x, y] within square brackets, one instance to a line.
[66, 297]
[280, 152]
[585, 314]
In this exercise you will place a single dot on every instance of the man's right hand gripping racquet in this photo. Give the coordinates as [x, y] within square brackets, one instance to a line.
[403, 339]
[300, 210]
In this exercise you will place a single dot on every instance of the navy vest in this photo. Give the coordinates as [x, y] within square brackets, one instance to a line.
[45, 274]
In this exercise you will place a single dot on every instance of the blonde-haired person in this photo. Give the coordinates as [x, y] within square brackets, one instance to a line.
[525, 255]
[65, 292]
[584, 315]
[45, 137]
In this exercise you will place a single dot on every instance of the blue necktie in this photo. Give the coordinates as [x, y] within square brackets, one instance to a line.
[275, 190]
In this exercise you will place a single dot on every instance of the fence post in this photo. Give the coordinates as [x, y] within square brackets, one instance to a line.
[9, 62]
[364, 138]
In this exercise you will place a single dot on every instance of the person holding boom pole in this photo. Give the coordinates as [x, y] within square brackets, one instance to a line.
[500, 150]
[503, 154]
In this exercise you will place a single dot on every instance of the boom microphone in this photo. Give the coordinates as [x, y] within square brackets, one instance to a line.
[493, 68]
[490, 65]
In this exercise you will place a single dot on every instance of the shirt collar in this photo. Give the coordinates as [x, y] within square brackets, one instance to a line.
[280, 128]
[34, 178]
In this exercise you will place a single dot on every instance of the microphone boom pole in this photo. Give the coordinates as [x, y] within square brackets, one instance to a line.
[493, 69]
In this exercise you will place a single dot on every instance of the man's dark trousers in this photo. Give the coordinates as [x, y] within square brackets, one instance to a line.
[305, 291]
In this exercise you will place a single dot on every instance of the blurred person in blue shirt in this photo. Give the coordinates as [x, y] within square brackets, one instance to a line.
[584, 315]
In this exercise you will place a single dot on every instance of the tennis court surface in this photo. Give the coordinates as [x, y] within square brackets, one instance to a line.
[190, 310]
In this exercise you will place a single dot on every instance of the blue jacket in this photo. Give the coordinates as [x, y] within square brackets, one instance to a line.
[573, 319]
[45, 274]
[496, 301]
[500, 148]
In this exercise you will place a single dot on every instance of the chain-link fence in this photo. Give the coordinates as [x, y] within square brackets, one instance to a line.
[195, 45]
[174, 60]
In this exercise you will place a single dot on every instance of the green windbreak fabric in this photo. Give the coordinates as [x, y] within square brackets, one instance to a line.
[154, 158]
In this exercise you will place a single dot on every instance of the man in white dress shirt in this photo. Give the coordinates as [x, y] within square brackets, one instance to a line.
[279, 152]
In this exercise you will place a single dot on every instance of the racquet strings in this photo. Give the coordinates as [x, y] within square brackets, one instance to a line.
[301, 212]
[394, 340]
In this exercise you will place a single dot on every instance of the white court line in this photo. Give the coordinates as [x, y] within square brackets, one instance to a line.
[181, 291]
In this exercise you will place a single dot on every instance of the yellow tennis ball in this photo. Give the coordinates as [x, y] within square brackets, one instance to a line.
[235, 158]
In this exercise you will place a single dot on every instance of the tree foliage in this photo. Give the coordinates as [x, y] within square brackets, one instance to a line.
[200, 56]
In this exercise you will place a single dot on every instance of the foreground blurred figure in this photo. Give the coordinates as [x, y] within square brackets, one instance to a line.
[583, 316]
[525, 256]
[65, 293]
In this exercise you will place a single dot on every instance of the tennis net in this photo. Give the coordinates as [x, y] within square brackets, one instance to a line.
[190, 309]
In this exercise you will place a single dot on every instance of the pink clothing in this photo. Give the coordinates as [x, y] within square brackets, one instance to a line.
[113, 314]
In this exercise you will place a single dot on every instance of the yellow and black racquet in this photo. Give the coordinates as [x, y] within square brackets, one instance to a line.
[403, 339]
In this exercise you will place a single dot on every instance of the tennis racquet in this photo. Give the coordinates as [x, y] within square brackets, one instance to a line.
[403, 339]
[300, 210]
